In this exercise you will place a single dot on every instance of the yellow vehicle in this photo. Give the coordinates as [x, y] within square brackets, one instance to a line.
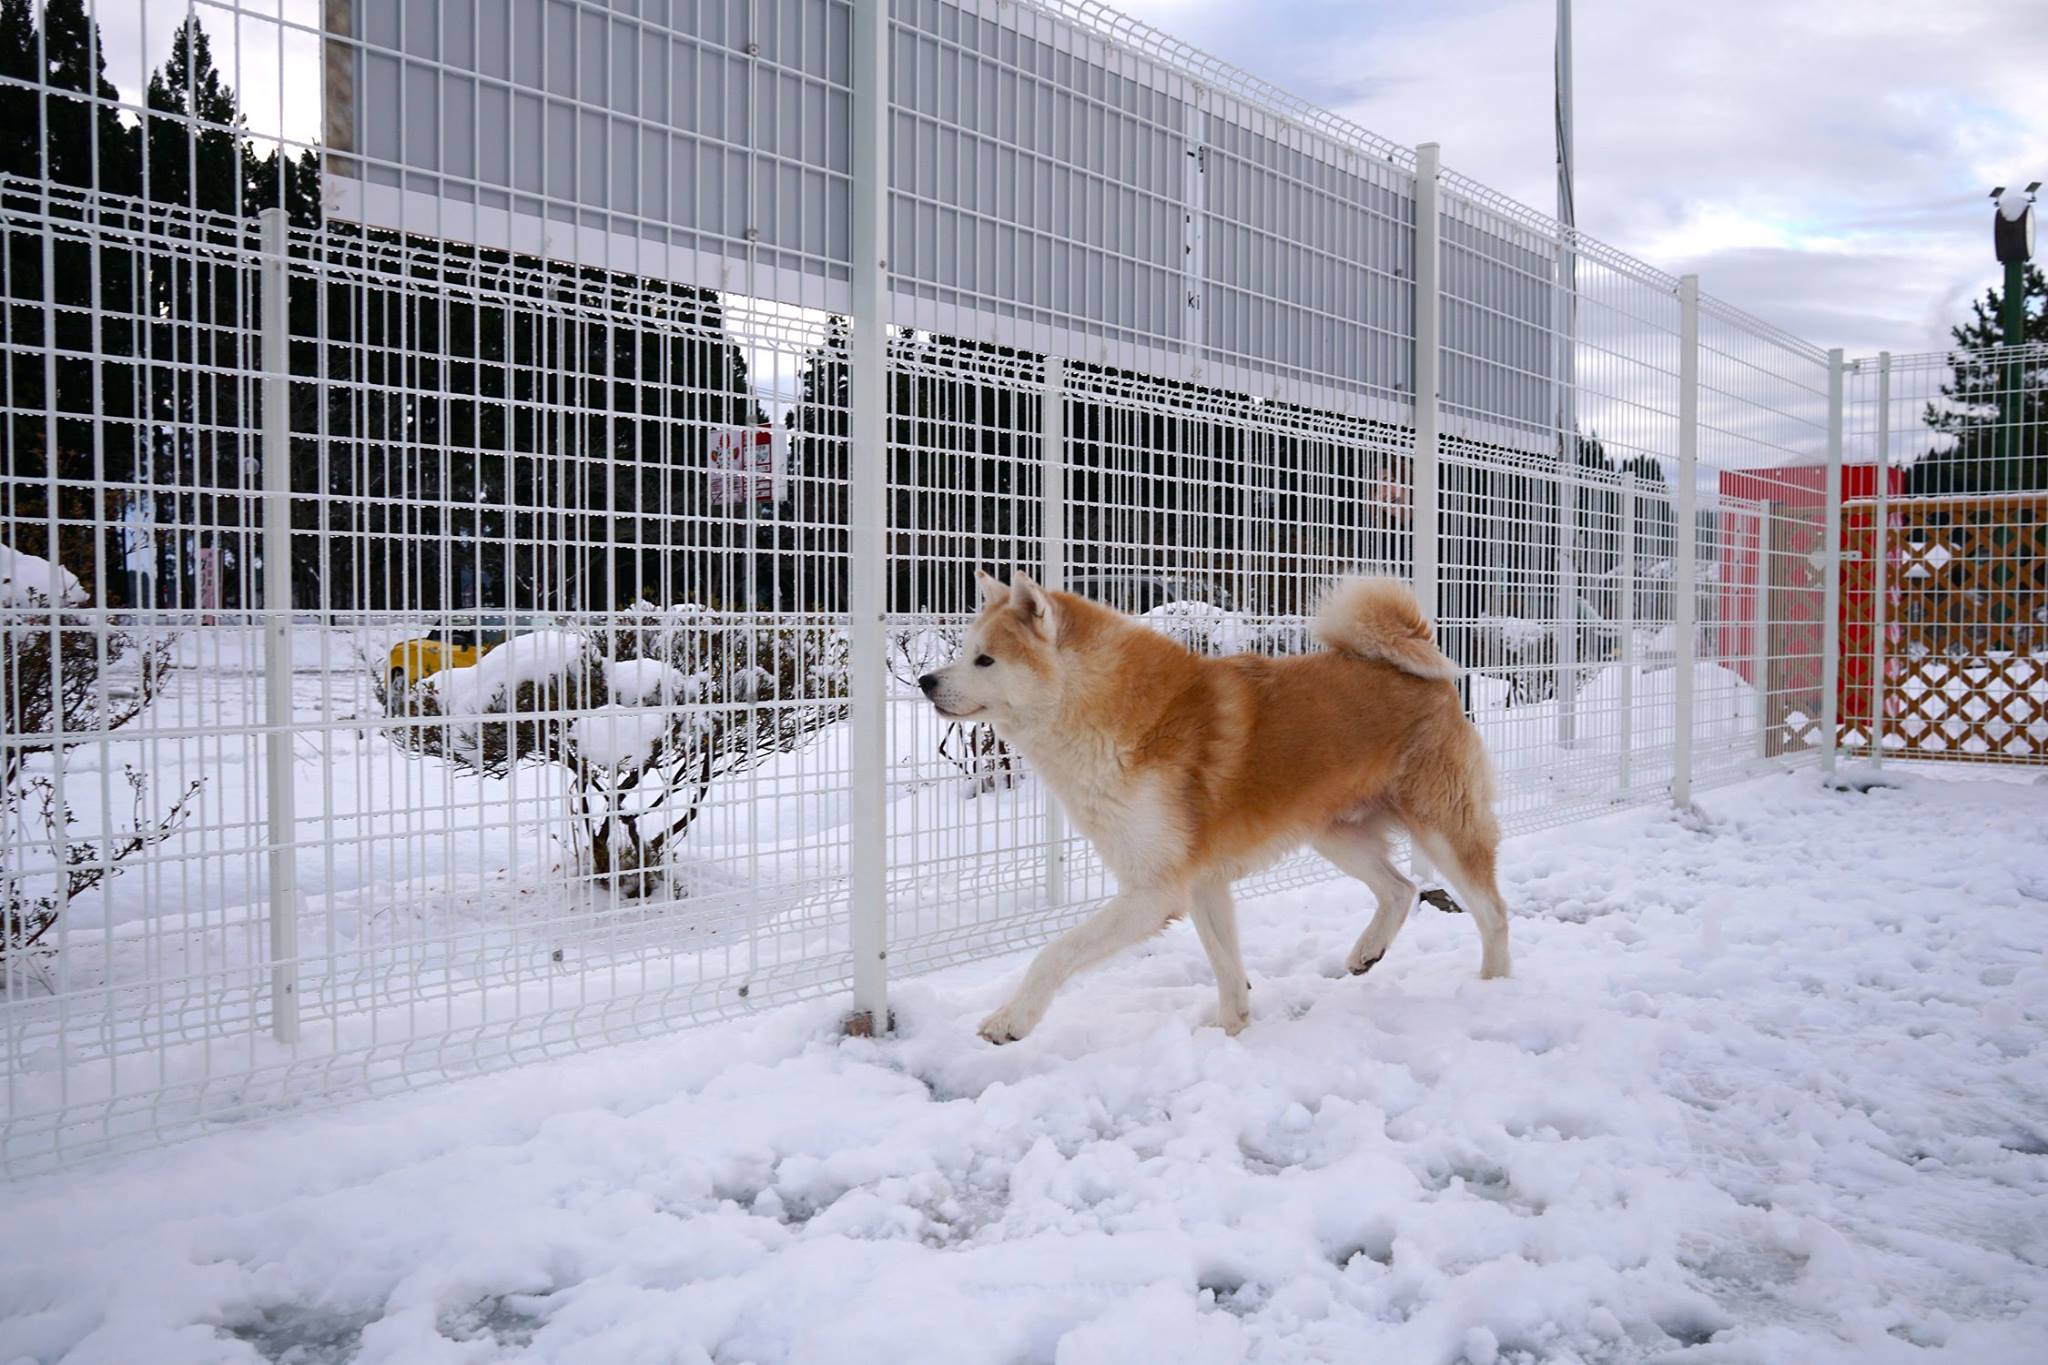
[452, 647]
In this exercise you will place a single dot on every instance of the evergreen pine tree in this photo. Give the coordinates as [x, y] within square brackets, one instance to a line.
[21, 128]
[204, 448]
[281, 180]
[84, 441]
[1981, 456]
[86, 143]
[195, 142]
[819, 462]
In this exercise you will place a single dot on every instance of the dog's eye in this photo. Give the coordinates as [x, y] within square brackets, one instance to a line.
[982, 661]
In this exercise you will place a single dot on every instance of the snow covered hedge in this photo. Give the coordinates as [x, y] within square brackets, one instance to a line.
[1207, 628]
[64, 673]
[644, 712]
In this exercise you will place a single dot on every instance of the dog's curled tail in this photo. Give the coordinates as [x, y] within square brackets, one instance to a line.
[1378, 618]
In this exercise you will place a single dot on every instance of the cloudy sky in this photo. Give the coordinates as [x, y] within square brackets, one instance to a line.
[1823, 164]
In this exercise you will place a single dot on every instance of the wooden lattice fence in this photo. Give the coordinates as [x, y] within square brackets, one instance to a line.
[1966, 638]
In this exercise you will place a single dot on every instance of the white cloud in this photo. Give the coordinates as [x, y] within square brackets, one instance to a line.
[1823, 164]
[268, 51]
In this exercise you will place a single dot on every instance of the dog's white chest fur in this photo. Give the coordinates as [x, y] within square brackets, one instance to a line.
[1132, 821]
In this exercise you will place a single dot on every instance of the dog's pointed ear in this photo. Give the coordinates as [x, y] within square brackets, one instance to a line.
[1035, 603]
[993, 593]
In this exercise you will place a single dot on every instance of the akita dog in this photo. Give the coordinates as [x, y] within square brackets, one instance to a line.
[1187, 772]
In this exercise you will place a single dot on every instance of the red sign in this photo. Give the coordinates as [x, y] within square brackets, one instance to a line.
[749, 465]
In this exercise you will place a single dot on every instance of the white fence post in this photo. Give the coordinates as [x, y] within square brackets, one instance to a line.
[1427, 376]
[1831, 594]
[280, 798]
[1194, 233]
[1052, 475]
[1684, 584]
[1760, 645]
[867, 516]
[1567, 650]
[1881, 548]
[1426, 373]
[1627, 570]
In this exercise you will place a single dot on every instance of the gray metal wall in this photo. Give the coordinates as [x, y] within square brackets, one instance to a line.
[1109, 199]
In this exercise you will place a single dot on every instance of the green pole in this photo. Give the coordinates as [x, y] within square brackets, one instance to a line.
[2014, 323]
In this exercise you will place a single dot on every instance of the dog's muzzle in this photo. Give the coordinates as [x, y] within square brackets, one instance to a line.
[929, 685]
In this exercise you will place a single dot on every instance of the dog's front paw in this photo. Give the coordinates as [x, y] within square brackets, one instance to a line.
[1009, 1023]
[1234, 1009]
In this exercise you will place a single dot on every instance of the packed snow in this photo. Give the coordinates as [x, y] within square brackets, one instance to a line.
[626, 733]
[31, 581]
[1769, 1086]
[536, 657]
[1203, 625]
[647, 682]
[615, 736]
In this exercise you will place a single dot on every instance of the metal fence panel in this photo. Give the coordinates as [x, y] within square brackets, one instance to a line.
[1945, 606]
[440, 561]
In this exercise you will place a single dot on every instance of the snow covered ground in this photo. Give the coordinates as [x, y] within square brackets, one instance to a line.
[1769, 1086]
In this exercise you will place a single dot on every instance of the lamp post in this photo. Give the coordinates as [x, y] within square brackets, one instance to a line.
[2012, 237]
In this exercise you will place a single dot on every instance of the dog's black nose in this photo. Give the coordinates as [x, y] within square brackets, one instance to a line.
[928, 682]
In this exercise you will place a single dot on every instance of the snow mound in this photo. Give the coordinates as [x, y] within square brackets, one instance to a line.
[1203, 626]
[488, 684]
[28, 580]
[647, 682]
[1518, 633]
[614, 736]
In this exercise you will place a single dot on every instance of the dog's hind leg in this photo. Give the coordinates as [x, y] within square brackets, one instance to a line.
[1130, 917]
[1466, 856]
[1360, 849]
[1215, 918]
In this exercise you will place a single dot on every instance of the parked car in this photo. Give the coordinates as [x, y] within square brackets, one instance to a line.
[450, 647]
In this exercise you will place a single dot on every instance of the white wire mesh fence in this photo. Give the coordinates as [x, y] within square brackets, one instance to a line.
[472, 529]
[1945, 557]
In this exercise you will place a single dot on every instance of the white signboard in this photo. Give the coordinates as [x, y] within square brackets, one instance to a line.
[749, 465]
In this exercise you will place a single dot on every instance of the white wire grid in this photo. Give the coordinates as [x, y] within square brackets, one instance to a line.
[1945, 609]
[1152, 334]
[456, 423]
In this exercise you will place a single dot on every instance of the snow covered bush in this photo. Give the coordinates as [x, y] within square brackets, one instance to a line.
[1207, 628]
[1526, 653]
[64, 673]
[644, 714]
[1202, 626]
[972, 746]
